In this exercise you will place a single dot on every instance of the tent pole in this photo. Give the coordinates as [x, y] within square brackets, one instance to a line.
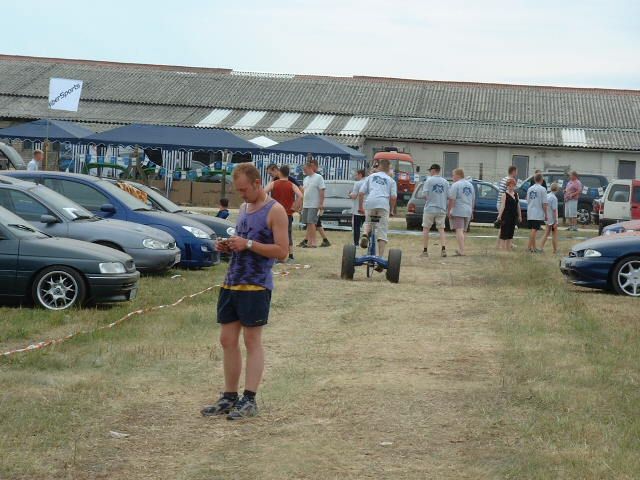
[223, 187]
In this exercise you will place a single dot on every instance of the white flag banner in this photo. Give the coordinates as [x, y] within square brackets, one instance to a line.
[64, 94]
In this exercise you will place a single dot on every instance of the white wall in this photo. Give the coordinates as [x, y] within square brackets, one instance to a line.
[496, 160]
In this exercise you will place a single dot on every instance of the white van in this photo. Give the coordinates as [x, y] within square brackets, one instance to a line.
[621, 202]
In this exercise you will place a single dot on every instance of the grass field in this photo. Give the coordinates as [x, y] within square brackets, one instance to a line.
[487, 366]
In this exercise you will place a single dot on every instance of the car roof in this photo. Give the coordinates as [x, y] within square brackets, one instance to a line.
[49, 173]
[6, 180]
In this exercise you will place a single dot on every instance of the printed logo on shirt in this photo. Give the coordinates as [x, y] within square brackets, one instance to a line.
[467, 191]
[380, 180]
[533, 195]
[438, 188]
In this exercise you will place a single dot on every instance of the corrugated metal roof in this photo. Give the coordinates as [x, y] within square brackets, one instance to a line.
[285, 121]
[380, 108]
[214, 118]
[354, 126]
[319, 124]
[249, 120]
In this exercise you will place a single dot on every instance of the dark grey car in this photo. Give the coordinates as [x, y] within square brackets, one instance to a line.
[59, 273]
[153, 250]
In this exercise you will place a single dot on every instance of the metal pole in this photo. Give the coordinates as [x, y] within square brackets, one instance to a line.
[223, 187]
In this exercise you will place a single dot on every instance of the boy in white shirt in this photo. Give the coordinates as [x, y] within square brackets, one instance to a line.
[552, 218]
[536, 210]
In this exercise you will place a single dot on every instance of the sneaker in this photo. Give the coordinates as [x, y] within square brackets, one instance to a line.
[302, 243]
[364, 241]
[443, 253]
[244, 408]
[325, 243]
[222, 407]
[424, 254]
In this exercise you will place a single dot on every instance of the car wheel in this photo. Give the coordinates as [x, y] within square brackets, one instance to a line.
[393, 268]
[626, 277]
[348, 262]
[584, 215]
[58, 288]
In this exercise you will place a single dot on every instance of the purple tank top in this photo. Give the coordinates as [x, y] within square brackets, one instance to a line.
[247, 267]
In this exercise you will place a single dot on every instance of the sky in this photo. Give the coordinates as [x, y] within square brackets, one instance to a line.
[565, 43]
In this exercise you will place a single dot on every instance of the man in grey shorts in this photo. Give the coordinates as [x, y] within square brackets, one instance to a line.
[312, 202]
[436, 193]
[382, 193]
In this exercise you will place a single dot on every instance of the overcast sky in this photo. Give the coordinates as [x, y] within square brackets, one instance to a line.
[570, 43]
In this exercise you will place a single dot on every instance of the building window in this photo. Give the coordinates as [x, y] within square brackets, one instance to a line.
[521, 162]
[627, 169]
[450, 163]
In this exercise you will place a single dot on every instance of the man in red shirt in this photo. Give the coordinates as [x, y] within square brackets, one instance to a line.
[287, 194]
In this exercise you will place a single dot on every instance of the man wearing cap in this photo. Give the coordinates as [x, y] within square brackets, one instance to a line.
[436, 193]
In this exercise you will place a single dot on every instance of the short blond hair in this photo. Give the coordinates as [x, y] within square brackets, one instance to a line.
[37, 151]
[247, 169]
[555, 187]
[458, 172]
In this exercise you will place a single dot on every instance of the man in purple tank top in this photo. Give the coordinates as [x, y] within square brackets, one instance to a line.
[245, 297]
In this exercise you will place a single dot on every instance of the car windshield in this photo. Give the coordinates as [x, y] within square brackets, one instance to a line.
[19, 227]
[338, 190]
[69, 209]
[129, 200]
[406, 167]
[158, 198]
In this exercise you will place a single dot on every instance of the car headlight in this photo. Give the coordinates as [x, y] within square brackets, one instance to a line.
[112, 267]
[590, 253]
[608, 232]
[346, 211]
[195, 231]
[154, 244]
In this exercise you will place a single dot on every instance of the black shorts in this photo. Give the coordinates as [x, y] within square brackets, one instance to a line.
[535, 224]
[251, 308]
[290, 231]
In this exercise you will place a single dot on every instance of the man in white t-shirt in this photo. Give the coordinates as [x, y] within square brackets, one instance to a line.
[462, 197]
[435, 191]
[382, 193]
[536, 210]
[312, 202]
[36, 162]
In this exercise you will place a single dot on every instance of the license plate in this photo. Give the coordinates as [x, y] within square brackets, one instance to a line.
[330, 222]
[133, 293]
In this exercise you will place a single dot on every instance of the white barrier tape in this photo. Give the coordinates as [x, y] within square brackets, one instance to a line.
[142, 311]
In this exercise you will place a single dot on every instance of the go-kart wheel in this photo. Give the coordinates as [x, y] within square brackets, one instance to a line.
[348, 262]
[393, 270]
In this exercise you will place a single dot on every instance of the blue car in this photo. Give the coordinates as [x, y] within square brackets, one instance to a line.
[195, 240]
[607, 263]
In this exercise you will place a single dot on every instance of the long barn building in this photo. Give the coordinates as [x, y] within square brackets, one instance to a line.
[482, 128]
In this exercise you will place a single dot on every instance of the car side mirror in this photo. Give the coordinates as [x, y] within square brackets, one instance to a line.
[48, 219]
[108, 208]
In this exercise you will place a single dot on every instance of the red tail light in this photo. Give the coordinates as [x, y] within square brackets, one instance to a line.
[411, 208]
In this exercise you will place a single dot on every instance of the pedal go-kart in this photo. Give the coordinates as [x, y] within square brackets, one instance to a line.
[371, 259]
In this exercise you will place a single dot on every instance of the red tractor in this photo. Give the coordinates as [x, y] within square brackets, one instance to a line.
[404, 171]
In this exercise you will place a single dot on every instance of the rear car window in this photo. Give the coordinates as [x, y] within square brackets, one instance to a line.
[591, 182]
[619, 193]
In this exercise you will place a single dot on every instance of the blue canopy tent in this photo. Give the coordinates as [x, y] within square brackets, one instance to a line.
[58, 131]
[335, 160]
[176, 144]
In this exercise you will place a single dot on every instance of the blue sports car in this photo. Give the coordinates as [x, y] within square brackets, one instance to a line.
[609, 263]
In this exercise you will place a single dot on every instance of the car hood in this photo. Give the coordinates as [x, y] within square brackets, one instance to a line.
[132, 230]
[620, 242]
[70, 249]
[628, 225]
[214, 223]
[172, 220]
